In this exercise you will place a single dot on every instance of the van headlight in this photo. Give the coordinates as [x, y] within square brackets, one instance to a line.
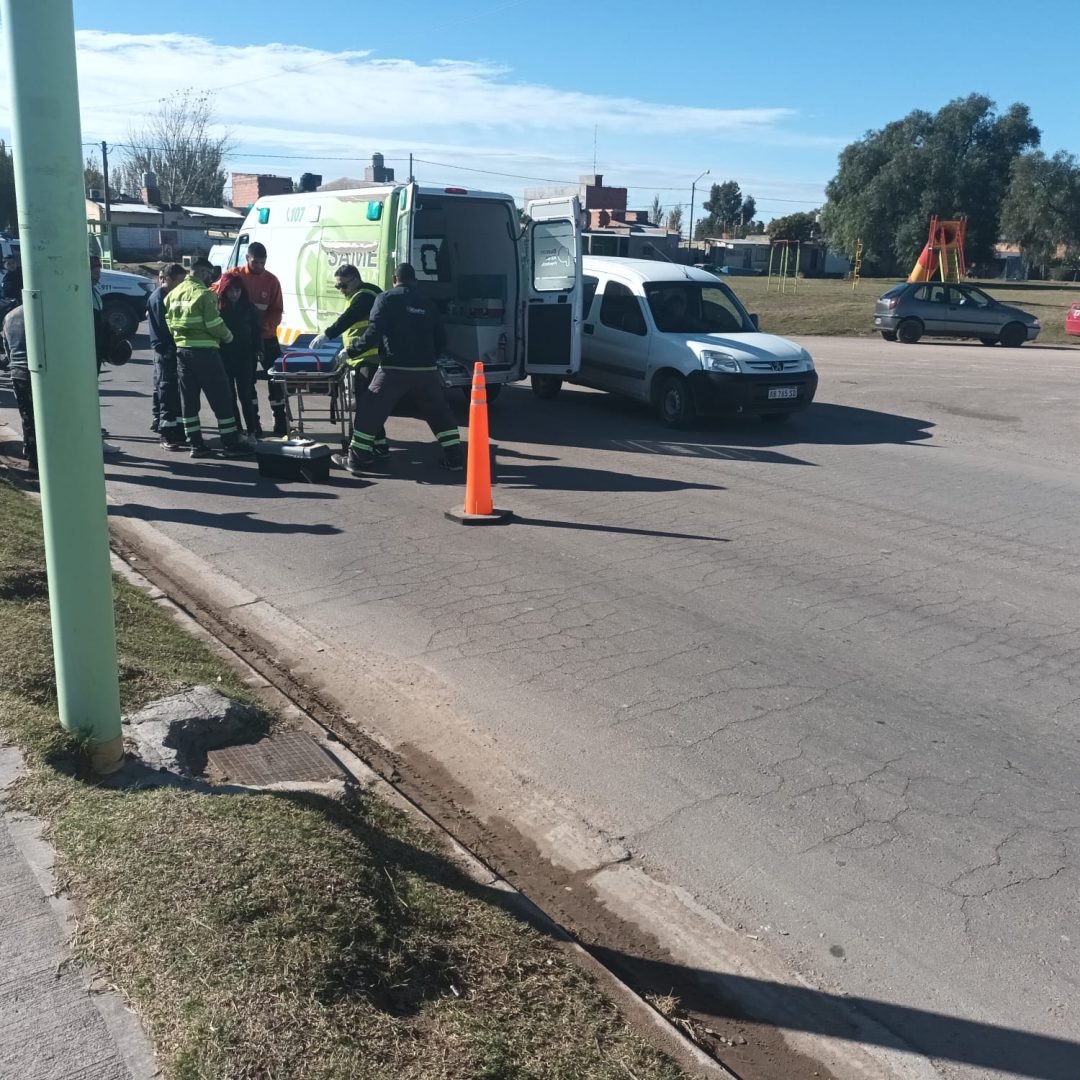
[809, 361]
[719, 361]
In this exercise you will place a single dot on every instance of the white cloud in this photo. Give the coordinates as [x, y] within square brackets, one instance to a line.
[290, 100]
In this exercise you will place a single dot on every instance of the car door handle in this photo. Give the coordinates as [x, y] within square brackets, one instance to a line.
[589, 328]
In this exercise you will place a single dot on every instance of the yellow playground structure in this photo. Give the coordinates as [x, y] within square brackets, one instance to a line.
[943, 256]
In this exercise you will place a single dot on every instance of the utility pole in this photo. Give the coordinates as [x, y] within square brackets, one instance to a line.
[107, 252]
[693, 191]
[44, 94]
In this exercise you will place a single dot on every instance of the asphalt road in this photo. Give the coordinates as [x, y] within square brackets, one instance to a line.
[821, 676]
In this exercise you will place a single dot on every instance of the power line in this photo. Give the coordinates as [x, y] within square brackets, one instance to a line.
[448, 165]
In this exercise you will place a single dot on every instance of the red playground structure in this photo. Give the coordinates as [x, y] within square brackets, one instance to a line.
[943, 256]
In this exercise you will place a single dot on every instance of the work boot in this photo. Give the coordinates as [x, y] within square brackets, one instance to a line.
[353, 462]
[452, 459]
[199, 449]
[281, 424]
[236, 447]
[155, 425]
[174, 447]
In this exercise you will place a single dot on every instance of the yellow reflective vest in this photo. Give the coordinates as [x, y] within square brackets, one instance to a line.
[352, 331]
[191, 313]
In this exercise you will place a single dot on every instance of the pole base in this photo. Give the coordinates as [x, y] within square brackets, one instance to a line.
[107, 757]
[496, 517]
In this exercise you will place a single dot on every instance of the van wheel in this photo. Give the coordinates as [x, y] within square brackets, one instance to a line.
[989, 340]
[909, 331]
[674, 405]
[889, 335]
[546, 387]
[120, 317]
[1013, 335]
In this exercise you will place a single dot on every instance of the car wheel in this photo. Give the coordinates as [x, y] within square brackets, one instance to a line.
[989, 340]
[120, 318]
[1013, 335]
[776, 417]
[546, 387]
[909, 331]
[889, 335]
[674, 405]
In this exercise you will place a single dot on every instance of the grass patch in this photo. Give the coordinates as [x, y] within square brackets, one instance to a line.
[273, 935]
[826, 306]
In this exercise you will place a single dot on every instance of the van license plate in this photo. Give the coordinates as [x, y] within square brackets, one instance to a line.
[780, 393]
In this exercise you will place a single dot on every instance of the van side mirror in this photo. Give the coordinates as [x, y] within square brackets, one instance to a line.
[754, 320]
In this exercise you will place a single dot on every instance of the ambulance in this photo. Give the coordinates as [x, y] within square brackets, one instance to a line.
[509, 289]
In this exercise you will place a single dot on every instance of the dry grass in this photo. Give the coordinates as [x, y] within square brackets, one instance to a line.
[823, 306]
[291, 935]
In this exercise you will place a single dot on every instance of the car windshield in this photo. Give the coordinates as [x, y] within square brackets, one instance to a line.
[692, 307]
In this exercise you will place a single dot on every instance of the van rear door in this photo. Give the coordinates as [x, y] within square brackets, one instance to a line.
[405, 211]
[553, 287]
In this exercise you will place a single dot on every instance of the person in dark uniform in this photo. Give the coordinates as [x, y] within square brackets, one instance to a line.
[350, 326]
[166, 401]
[409, 332]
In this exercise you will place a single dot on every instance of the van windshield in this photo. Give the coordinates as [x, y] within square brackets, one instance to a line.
[692, 307]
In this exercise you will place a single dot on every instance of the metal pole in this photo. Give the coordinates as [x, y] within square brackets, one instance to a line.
[107, 253]
[693, 190]
[40, 45]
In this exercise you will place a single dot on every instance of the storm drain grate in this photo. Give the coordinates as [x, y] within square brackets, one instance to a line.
[289, 756]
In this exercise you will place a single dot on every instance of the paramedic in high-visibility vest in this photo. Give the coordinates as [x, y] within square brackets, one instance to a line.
[196, 325]
[264, 291]
[349, 326]
[410, 335]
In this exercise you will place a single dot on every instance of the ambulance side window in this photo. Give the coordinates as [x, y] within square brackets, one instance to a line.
[239, 253]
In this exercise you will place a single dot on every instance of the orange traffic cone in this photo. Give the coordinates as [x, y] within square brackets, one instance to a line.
[478, 508]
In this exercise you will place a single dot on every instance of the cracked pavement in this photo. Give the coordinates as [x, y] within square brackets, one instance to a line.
[821, 676]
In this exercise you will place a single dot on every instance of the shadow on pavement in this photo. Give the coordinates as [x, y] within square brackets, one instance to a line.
[235, 521]
[582, 418]
[575, 478]
[866, 1021]
[244, 483]
[618, 529]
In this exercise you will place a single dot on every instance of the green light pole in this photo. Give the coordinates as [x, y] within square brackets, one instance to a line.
[39, 38]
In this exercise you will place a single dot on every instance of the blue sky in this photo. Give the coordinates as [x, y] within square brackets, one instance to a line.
[765, 94]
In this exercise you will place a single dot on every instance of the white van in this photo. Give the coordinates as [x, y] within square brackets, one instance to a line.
[509, 293]
[678, 338]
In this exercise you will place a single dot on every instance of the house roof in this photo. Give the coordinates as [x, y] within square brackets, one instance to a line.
[127, 208]
[212, 211]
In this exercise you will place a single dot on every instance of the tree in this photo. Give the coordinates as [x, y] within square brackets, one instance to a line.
[93, 178]
[656, 211]
[723, 207]
[178, 145]
[951, 163]
[9, 214]
[1041, 211]
[309, 182]
[747, 211]
[799, 226]
[674, 219]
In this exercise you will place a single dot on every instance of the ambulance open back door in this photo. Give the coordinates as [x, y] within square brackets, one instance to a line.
[552, 309]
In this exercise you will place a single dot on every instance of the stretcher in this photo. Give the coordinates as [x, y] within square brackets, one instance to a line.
[307, 377]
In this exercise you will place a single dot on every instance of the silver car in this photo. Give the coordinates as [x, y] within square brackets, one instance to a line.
[940, 309]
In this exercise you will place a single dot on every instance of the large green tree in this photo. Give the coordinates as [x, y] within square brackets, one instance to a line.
[798, 226]
[1041, 211]
[723, 208]
[951, 163]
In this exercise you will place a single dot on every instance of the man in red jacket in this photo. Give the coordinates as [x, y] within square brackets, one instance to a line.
[264, 291]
